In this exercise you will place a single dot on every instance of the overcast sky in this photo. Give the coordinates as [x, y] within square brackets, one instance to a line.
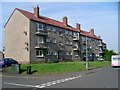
[102, 16]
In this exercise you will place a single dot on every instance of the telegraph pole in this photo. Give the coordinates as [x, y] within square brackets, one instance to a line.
[86, 54]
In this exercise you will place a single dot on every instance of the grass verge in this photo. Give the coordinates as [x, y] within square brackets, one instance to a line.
[62, 67]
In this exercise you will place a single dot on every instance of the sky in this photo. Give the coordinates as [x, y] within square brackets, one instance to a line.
[102, 16]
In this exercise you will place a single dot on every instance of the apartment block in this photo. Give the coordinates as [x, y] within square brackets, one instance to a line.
[31, 37]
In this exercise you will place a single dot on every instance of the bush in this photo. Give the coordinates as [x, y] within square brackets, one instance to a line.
[107, 54]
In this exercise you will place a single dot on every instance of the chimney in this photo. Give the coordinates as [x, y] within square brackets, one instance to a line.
[36, 11]
[78, 26]
[92, 31]
[99, 37]
[65, 22]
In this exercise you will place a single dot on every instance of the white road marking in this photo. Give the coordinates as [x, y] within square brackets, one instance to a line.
[46, 84]
[19, 84]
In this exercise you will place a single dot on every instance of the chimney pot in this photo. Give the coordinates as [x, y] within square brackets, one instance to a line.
[99, 36]
[65, 21]
[92, 31]
[36, 11]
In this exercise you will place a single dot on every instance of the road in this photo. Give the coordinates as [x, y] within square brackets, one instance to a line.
[98, 78]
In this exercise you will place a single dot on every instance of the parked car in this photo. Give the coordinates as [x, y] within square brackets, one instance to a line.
[7, 62]
[100, 59]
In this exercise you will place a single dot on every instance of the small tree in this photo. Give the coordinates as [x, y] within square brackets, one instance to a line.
[107, 54]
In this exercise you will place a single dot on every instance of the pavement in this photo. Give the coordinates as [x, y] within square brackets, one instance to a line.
[97, 78]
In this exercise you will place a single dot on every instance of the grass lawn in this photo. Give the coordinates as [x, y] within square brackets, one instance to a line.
[62, 67]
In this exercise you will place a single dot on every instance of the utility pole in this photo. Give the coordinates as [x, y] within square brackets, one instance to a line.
[86, 54]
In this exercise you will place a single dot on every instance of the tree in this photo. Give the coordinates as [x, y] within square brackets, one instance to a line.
[107, 54]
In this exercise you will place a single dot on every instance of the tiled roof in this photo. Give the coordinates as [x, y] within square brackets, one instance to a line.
[50, 21]
[85, 33]
[46, 20]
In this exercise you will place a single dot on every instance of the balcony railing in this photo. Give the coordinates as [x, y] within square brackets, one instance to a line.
[41, 46]
[76, 38]
[75, 48]
[44, 33]
[83, 42]
[100, 44]
[100, 51]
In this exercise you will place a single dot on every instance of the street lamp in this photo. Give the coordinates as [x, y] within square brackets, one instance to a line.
[86, 55]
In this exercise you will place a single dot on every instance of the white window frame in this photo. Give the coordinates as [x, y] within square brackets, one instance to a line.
[48, 52]
[48, 40]
[71, 43]
[67, 43]
[38, 39]
[54, 40]
[53, 29]
[74, 34]
[66, 32]
[54, 53]
[70, 33]
[48, 28]
[61, 34]
[42, 55]
[67, 53]
[38, 27]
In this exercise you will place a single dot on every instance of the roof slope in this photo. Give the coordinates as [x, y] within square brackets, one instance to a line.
[85, 33]
[43, 19]
[50, 21]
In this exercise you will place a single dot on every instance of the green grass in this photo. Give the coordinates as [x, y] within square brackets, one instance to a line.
[62, 67]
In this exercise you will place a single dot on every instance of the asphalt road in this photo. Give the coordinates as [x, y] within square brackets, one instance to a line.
[98, 78]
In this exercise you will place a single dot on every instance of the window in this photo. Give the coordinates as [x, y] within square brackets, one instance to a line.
[76, 45]
[74, 34]
[69, 53]
[54, 29]
[39, 53]
[54, 53]
[48, 28]
[54, 40]
[70, 42]
[70, 33]
[83, 38]
[39, 39]
[48, 52]
[48, 40]
[39, 26]
[66, 31]
[67, 43]
[60, 33]
[76, 53]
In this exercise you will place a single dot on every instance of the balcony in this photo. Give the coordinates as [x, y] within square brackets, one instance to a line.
[75, 38]
[100, 51]
[41, 46]
[100, 45]
[84, 42]
[43, 33]
[75, 48]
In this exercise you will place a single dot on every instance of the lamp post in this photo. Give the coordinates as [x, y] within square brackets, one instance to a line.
[86, 55]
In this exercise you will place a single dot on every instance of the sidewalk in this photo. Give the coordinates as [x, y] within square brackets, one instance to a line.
[85, 72]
